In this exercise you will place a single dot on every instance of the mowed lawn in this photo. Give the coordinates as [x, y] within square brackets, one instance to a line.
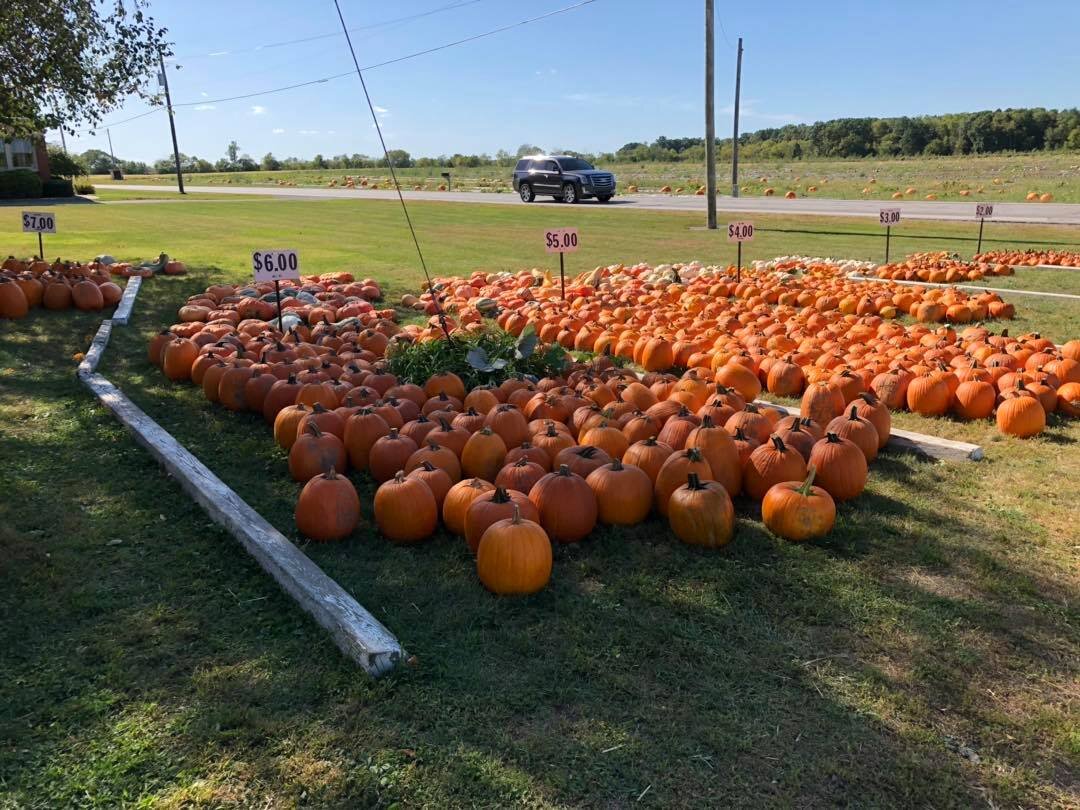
[925, 654]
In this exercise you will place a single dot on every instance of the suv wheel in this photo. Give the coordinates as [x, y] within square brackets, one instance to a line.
[526, 192]
[569, 193]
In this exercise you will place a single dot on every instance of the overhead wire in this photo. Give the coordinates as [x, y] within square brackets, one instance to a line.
[393, 174]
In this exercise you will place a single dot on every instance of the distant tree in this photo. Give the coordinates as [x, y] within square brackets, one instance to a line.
[64, 164]
[165, 166]
[400, 159]
[232, 151]
[134, 167]
[269, 163]
[69, 62]
[1073, 141]
[96, 161]
[246, 164]
[504, 158]
[318, 162]
[528, 149]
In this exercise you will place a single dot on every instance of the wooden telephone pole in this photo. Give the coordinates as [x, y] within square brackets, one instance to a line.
[710, 117]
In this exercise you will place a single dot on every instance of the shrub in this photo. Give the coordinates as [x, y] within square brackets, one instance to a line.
[478, 358]
[84, 188]
[19, 183]
[57, 187]
[64, 164]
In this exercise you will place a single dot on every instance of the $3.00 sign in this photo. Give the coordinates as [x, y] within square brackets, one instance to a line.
[275, 265]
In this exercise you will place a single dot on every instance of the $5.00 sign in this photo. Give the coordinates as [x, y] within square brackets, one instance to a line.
[275, 265]
[37, 222]
[740, 232]
[561, 240]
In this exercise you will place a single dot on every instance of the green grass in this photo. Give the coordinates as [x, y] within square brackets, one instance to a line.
[149, 661]
[1054, 172]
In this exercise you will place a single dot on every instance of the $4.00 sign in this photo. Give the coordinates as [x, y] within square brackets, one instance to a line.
[740, 232]
[275, 265]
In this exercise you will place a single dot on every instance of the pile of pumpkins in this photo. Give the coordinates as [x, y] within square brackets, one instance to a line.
[939, 268]
[26, 284]
[1030, 258]
[516, 467]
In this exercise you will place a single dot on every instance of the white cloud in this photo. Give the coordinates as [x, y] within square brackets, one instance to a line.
[278, 131]
[204, 95]
[309, 132]
[218, 53]
[258, 109]
[382, 112]
[203, 107]
[331, 132]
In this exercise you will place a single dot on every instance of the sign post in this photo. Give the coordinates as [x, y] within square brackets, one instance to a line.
[739, 232]
[983, 211]
[275, 265]
[888, 217]
[39, 223]
[561, 240]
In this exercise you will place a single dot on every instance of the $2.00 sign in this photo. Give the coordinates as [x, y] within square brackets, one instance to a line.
[889, 216]
[275, 265]
[740, 232]
[984, 210]
[37, 222]
[561, 240]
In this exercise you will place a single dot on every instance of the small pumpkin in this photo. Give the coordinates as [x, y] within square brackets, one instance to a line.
[520, 476]
[405, 509]
[859, 430]
[389, 454]
[566, 504]
[459, 499]
[314, 453]
[328, 507]
[623, 493]
[436, 479]
[841, 467]
[483, 454]
[514, 556]
[493, 506]
[701, 513]
[772, 463]
[674, 472]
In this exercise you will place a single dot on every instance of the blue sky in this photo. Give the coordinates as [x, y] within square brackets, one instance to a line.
[595, 78]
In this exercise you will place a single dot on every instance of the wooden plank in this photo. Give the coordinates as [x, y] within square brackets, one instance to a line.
[123, 309]
[910, 442]
[1042, 267]
[359, 634]
[90, 361]
[1002, 290]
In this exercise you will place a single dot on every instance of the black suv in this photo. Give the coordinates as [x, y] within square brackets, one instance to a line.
[564, 177]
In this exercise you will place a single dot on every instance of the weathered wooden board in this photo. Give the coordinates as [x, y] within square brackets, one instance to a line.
[972, 287]
[907, 441]
[359, 634]
[1042, 267]
[90, 361]
[123, 309]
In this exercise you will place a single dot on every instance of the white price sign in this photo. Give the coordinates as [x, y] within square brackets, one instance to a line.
[740, 232]
[275, 265]
[984, 210]
[889, 216]
[561, 240]
[37, 222]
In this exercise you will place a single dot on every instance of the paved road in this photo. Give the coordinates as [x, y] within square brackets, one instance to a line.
[1057, 213]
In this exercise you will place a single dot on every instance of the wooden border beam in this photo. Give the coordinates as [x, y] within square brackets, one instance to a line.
[909, 442]
[972, 287]
[123, 309]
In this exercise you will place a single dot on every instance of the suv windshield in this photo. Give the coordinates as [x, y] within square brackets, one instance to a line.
[574, 164]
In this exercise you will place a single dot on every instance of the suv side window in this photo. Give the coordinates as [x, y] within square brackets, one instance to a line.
[551, 166]
[523, 165]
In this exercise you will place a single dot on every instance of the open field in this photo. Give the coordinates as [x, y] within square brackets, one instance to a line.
[926, 654]
[1057, 173]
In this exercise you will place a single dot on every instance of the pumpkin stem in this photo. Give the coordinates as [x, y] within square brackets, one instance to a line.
[804, 490]
[650, 442]
[854, 416]
[313, 429]
[778, 443]
[318, 408]
[428, 466]
[393, 433]
[500, 496]
[707, 422]
[616, 464]
[516, 519]
[564, 470]
[521, 462]
[399, 476]
[832, 438]
[551, 429]
[693, 482]
[331, 474]
[693, 454]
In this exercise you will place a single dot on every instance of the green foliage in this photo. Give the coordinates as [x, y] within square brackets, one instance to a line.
[67, 62]
[57, 187]
[65, 164]
[84, 188]
[480, 358]
[19, 183]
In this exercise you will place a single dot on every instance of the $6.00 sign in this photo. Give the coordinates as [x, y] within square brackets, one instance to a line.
[275, 265]
[561, 240]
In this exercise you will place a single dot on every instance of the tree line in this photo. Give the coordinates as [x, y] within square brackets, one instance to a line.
[987, 132]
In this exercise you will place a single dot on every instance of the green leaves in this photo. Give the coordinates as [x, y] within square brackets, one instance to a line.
[526, 344]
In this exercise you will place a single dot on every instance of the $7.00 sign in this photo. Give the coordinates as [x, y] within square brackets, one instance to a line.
[37, 222]
[561, 240]
[740, 232]
[889, 216]
[275, 265]
[984, 210]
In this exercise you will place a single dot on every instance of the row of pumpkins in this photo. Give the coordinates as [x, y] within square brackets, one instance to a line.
[27, 284]
[752, 336]
[1030, 258]
[939, 268]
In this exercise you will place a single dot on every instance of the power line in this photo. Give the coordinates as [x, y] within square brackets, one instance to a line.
[316, 37]
[393, 61]
[393, 174]
[109, 124]
[720, 21]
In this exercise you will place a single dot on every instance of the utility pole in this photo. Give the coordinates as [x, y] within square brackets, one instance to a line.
[63, 140]
[735, 138]
[108, 132]
[710, 117]
[172, 123]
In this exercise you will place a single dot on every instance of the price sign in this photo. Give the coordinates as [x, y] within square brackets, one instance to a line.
[984, 210]
[37, 222]
[740, 232]
[889, 216]
[561, 240]
[275, 265]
